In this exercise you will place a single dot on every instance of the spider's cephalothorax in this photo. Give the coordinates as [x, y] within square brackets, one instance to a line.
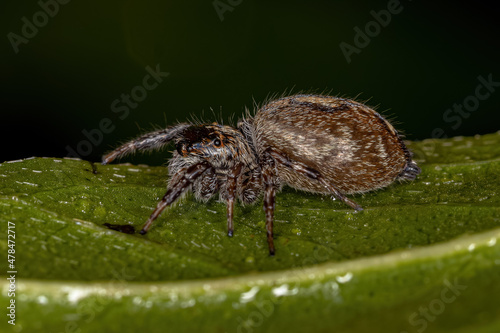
[234, 169]
[319, 144]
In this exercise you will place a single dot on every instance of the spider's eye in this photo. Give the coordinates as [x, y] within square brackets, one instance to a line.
[217, 143]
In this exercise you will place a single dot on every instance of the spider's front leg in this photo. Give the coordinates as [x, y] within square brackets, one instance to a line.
[179, 183]
[148, 141]
[232, 179]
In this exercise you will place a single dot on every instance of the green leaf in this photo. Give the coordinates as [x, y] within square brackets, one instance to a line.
[334, 269]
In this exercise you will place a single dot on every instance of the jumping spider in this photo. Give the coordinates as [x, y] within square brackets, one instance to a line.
[317, 144]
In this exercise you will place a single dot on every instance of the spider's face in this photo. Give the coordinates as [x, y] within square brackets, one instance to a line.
[216, 143]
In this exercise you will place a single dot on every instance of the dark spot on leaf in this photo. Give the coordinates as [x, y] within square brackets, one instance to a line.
[125, 228]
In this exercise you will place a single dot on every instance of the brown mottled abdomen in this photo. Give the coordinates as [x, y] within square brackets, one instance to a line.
[351, 145]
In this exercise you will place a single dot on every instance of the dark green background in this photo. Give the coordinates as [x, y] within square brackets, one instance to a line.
[65, 78]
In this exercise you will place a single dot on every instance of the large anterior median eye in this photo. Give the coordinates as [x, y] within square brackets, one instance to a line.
[217, 143]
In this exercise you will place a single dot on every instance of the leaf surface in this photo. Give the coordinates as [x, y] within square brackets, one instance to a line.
[410, 232]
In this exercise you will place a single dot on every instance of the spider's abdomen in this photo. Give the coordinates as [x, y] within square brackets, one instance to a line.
[351, 145]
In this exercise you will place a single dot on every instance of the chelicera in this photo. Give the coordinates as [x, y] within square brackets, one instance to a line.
[319, 144]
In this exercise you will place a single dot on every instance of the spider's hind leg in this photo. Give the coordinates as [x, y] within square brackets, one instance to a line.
[313, 174]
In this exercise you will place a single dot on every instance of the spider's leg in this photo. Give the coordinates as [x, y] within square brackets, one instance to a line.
[148, 141]
[269, 199]
[232, 178]
[336, 193]
[313, 174]
[250, 186]
[186, 177]
[269, 181]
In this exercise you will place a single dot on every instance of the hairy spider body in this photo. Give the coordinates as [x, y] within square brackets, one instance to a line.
[314, 143]
[354, 148]
[197, 144]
